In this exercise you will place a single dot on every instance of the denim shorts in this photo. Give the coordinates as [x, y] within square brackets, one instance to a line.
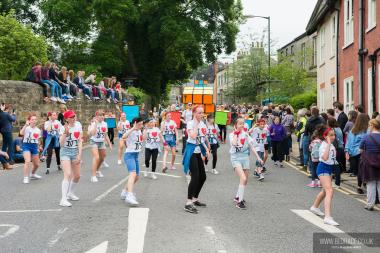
[261, 155]
[131, 160]
[171, 144]
[98, 145]
[119, 135]
[31, 148]
[68, 154]
[240, 160]
[324, 169]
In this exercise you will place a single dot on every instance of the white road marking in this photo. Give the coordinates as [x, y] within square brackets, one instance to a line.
[11, 230]
[137, 222]
[317, 221]
[169, 162]
[56, 237]
[216, 241]
[103, 195]
[164, 174]
[31, 211]
[101, 248]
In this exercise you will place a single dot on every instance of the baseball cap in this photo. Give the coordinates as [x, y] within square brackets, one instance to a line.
[69, 114]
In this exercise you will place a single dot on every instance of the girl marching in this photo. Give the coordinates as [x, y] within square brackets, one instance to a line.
[53, 127]
[212, 135]
[71, 153]
[123, 126]
[241, 142]
[170, 132]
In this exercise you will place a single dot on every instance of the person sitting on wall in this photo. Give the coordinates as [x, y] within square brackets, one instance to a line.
[17, 148]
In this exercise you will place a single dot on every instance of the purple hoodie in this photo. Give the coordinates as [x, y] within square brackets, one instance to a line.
[279, 132]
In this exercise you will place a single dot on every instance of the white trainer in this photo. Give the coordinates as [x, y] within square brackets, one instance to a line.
[105, 165]
[99, 174]
[35, 176]
[123, 194]
[118, 162]
[145, 173]
[131, 199]
[72, 197]
[54, 99]
[316, 211]
[94, 180]
[214, 171]
[153, 176]
[330, 221]
[173, 168]
[26, 180]
[65, 203]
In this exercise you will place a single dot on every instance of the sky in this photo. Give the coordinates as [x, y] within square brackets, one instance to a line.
[288, 20]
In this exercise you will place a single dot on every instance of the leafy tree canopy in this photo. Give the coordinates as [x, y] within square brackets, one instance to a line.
[160, 41]
[25, 11]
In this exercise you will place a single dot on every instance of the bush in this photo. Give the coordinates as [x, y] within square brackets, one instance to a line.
[303, 100]
[138, 94]
[20, 48]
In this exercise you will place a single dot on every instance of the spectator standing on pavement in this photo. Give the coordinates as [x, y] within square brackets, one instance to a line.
[352, 149]
[352, 115]
[300, 129]
[370, 163]
[288, 123]
[316, 141]
[340, 115]
[277, 135]
[7, 117]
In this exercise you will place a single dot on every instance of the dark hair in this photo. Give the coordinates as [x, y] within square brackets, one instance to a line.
[288, 111]
[359, 108]
[338, 105]
[331, 122]
[330, 112]
[374, 115]
[269, 110]
[137, 120]
[318, 132]
[352, 116]
[210, 116]
[314, 111]
[324, 116]
[361, 124]
[308, 113]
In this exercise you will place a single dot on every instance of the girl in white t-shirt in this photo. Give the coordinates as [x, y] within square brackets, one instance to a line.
[241, 144]
[133, 139]
[30, 143]
[153, 139]
[71, 153]
[53, 128]
[170, 132]
[213, 136]
[327, 161]
[123, 126]
[97, 131]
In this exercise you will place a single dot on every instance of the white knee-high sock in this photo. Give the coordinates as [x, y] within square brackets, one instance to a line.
[241, 192]
[65, 188]
[72, 187]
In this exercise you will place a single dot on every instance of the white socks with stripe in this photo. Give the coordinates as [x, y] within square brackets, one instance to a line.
[240, 192]
[65, 188]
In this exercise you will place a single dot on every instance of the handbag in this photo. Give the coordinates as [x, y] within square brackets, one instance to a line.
[369, 159]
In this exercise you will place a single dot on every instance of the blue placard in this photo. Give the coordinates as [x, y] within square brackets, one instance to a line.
[111, 122]
[131, 111]
[249, 122]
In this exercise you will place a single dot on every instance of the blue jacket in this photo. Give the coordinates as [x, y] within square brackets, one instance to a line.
[6, 122]
[189, 150]
[353, 143]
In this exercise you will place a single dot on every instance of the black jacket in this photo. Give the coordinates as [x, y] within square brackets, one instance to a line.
[312, 124]
[342, 120]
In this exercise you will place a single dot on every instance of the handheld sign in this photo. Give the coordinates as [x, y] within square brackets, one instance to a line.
[111, 122]
[221, 118]
[176, 117]
[131, 111]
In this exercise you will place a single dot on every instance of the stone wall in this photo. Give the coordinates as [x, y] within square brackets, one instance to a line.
[27, 97]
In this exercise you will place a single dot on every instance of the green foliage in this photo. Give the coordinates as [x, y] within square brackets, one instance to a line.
[304, 100]
[22, 9]
[20, 48]
[166, 39]
[138, 94]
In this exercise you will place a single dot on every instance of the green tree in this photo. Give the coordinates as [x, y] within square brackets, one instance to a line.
[20, 48]
[159, 41]
[24, 11]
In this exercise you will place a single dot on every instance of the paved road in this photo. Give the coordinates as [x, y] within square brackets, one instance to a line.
[32, 221]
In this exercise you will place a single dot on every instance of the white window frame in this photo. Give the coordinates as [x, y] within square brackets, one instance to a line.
[333, 35]
[315, 53]
[322, 99]
[369, 93]
[322, 45]
[333, 93]
[348, 94]
[348, 23]
[371, 14]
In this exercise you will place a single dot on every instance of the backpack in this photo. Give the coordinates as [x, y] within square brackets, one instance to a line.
[315, 151]
[30, 77]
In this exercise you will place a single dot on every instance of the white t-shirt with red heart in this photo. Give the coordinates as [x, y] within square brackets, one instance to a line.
[153, 138]
[212, 133]
[55, 127]
[242, 145]
[169, 127]
[73, 138]
[134, 142]
[259, 137]
[201, 135]
[32, 134]
[124, 125]
[101, 131]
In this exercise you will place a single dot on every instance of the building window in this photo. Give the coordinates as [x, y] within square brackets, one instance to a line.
[322, 94]
[286, 52]
[371, 13]
[303, 52]
[370, 96]
[348, 22]
[348, 94]
[333, 94]
[322, 46]
[333, 36]
[292, 50]
[314, 60]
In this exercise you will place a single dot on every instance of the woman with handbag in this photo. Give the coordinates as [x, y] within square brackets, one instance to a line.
[369, 169]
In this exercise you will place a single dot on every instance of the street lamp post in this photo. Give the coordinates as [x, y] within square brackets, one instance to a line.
[269, 51]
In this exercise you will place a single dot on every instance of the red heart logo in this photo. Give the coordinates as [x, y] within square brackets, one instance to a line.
[242, 141]
[263, 135]
[154, 134]
[56, 126]
[214, 131]
[36, 135]
[76, 135]
[204, 130]
[141, 137]
[104, 129]
[127, 126]
[245, 129]
[171, 127]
